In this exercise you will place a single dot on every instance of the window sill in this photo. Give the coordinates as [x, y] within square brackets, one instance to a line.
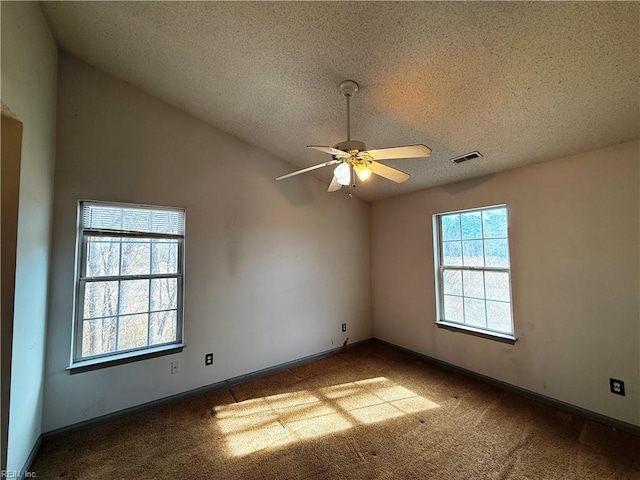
[122, 358]
[500, 337]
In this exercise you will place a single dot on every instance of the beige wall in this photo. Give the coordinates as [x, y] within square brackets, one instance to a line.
[272, 268]
[29, 61]
[574, 232]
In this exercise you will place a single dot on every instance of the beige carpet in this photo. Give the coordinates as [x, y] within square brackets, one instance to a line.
[369, 412]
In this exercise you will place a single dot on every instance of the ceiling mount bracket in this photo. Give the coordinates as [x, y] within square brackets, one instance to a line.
[348, 88]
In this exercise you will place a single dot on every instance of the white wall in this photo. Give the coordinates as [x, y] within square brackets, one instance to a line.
[574, 234]
[272, 268]
[29, 62]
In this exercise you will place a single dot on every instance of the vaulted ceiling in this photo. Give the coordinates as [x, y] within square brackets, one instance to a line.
[520, 82]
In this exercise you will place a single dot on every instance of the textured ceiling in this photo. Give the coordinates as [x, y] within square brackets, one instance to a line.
[520, 82]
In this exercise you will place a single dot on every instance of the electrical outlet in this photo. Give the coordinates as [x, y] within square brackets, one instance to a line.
[617, 386]
[175, 367]
[208, 359]
[344, 327]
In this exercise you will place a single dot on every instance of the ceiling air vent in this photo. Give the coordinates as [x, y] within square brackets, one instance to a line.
[467, 156]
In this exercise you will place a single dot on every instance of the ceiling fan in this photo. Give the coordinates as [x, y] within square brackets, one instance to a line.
[353, 159]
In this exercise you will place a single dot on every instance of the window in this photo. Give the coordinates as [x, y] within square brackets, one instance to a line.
[130, 280]
[473, 276]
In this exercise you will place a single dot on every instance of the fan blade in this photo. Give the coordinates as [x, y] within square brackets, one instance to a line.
[388, 172]
[329, 150]
[408, 151]
[334, 185]
[308, 169]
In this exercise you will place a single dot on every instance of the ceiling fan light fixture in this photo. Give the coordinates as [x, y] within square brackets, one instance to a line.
[352, 157]
[362, 171]
[343, 174]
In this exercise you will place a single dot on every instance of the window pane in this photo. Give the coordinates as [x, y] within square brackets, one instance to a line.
[136, 256]
[100, 299]
[453, 309]
[474, 313]
[165, 256]
[497, 286]
[450, 227]
[497, 253]
[132, 331]
[163, 327]
[452, 280]
[499, 316]
[471, 224]
[102, 217]
[167, 221]
[134, 296]
[98, 336]
[452, 253]
[473, 284]
[495, 223]
[472, 252]
[164, 293]
[103, 256]
[136, 220]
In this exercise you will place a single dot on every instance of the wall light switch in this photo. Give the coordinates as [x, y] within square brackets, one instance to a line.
[175, 367]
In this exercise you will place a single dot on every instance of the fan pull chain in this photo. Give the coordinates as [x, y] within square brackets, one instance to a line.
[352, 183]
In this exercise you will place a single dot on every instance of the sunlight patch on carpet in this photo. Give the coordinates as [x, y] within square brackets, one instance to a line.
[279, 420]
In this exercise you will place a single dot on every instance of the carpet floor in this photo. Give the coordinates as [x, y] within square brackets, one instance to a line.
[370, 412]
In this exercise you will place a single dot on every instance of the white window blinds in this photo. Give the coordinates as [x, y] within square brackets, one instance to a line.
[101, 217]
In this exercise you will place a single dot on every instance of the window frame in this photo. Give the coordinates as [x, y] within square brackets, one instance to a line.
[90, 362]
[439, 269]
